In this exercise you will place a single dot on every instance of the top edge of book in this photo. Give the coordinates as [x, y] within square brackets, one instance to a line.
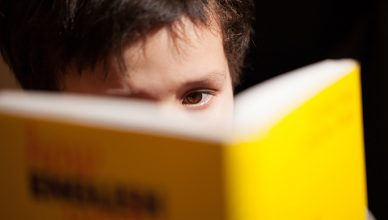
[263, 105]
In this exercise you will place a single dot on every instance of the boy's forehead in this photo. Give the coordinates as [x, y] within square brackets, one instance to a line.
[165, 61]
[176, 39]
[189, 48]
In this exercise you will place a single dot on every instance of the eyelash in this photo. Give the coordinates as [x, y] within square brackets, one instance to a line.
[206, 96]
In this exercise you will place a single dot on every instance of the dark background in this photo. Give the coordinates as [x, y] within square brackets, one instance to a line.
[291, 34]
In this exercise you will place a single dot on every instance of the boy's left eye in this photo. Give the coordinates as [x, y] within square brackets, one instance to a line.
[197, 99]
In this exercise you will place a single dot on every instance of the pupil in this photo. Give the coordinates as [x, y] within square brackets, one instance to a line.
[194, 98]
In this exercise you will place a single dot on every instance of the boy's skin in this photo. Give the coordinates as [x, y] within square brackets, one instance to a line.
[186, 54]
[189, 72]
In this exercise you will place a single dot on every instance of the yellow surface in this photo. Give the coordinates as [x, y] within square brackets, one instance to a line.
[184, 175]
[309, 166]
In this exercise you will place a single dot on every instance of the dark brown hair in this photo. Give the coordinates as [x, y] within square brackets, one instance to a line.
[39, 39]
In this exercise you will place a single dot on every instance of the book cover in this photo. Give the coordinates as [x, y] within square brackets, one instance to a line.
[294, 151]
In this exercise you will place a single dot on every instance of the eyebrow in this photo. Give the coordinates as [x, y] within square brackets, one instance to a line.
[214, 78]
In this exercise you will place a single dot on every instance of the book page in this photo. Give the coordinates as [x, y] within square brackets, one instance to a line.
[113, 113]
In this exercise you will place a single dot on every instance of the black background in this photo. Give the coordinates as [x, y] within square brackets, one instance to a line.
[291, 34]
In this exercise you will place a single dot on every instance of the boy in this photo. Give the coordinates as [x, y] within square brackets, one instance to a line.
[185, 53]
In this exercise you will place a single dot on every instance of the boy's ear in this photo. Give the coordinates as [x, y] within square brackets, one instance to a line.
[7, 79]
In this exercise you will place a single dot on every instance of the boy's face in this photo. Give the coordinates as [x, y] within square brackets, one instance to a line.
[189, 73]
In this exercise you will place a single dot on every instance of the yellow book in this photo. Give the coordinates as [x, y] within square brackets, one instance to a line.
[294, 152]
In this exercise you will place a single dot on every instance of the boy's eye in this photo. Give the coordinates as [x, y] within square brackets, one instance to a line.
[197, 98]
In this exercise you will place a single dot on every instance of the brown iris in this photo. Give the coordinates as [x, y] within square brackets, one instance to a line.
[193, 98]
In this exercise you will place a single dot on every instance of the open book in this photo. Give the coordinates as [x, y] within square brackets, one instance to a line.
[294, 151]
